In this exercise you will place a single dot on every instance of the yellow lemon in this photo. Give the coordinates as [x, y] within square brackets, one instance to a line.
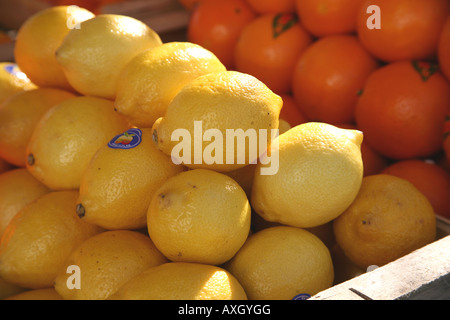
[17, 189]
[37, 41]
[39, 239]
[37, 294]
[120, 180]
[199, 216]
[388, 219]
[319, 175]
[12, 80]
[220, 121]
[106, 261]
[182, 281]
[18, 117]
[151, 80]
[67, 137]
[278, 263]
[93, 55]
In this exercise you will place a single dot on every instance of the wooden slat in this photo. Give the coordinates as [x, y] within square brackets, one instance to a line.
[422, 274]
[134, 7]
[161, 15]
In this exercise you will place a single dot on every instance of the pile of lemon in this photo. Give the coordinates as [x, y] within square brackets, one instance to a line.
[94, 205]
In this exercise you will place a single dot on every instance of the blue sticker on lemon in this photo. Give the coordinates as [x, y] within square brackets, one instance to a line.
[302, 296]
[14, 70]
[127, 140]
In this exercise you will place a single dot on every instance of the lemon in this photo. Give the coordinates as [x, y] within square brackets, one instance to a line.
[219, 103]
[93, 55]
[388, 219]
[37, 294]
[12, 80]
[118, 184]
[39, 239]
[320, 173]
[182, 281]
[37, 40]
[18, 117]
[106, 261]
[67, 137]
[17, 189]
[150, 81]
[199, 216]
[278, 263]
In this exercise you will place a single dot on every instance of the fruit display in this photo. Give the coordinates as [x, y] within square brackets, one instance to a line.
[279, 149]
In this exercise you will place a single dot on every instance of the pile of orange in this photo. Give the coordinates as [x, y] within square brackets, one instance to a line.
[380, 66]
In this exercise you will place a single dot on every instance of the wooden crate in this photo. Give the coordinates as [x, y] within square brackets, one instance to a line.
[421, 275]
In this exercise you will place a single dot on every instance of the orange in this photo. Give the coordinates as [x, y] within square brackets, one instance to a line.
[329, 76]
[373, 161]
[409, 29]
[272, 6]
[402, 109]
[388, 219]
[291, 111]
[269, 47]
[217, 24]
[429, 178]
[444, 49]
[326, 17]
